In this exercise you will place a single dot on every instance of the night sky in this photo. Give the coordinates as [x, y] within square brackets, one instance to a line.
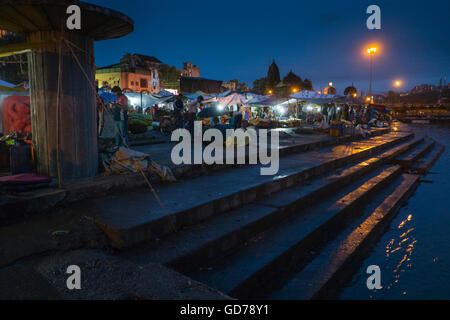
[320, 40]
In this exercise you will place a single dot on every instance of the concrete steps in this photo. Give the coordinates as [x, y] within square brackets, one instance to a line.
[337, 262]
[424, 164]
[406, 160]
[271, 258]
[202, 199]
[188, 249]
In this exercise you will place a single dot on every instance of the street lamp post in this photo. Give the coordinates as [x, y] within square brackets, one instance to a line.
[371, 52]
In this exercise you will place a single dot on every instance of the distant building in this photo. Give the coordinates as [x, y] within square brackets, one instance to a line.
[243, 87]
[192, 85]
[234, 85]
[229, 85]
[136, 72]
[190, 70]
[424, 88]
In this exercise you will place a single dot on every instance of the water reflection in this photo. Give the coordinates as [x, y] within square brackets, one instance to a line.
[414, 254]
[399, 251]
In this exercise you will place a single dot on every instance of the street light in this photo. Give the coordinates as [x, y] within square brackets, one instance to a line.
[270, 91]
[371, 51]
[294, 90]
[397, 83]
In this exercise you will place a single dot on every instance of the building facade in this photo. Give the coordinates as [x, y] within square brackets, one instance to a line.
[136, 72]
[190, 70]
[193, 85]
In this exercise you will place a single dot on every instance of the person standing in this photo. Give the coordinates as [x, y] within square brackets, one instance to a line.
[238, 118]
[192, 111]
[120, 112]
[179, 110]
[100, 113]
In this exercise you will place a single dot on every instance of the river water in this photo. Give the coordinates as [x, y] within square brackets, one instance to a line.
[414, 254]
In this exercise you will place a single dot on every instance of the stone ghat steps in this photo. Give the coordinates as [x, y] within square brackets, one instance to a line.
[333, 267]
[270, 259]
[407, 159]
[209, 196]
[15, 207]
[189, 249]
[424, 164]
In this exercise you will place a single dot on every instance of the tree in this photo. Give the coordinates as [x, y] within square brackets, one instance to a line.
[273, 76]
[293, 81]
[350, 91]
[168, 74]
[307, 85]
[259, 86]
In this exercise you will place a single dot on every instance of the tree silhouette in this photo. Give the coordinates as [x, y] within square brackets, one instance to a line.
[350, 91]
[259, 86]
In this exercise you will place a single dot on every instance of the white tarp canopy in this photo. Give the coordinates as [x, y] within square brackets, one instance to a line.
[306, 94]
[268, 101]
[232, 100]
[256, 99]
[164, 93]
[148, 100]
[194, 96]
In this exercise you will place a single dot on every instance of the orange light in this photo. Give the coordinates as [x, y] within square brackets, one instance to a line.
[397, 83]
[355, 95]
[294, 90]
[372, 50]
[270, 91]
[368, 99]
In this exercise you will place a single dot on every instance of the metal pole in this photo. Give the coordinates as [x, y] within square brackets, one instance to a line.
[371, 75]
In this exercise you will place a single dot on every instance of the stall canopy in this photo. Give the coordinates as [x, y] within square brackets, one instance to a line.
[380, 108]
[314, 97]
[318, 98]
[255, 99]
[268, 101]
[148, 100]
[6, 84]
[194, 96]
[232, 100]
[164, 93]
[134, 99]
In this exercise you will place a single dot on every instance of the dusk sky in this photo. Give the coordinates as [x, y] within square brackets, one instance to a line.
[320, 40]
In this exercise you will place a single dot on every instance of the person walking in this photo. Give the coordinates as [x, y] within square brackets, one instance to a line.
[120, 111]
